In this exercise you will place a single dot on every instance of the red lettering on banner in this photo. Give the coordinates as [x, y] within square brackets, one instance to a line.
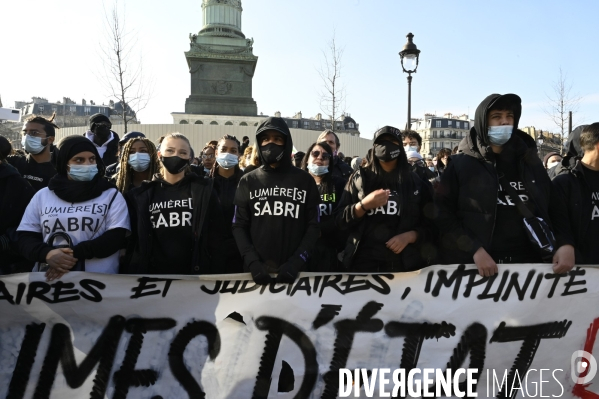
[580, 390]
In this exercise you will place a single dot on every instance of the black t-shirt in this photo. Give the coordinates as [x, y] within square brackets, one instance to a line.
[509, 237]
[382, 224]
[589, 247]
[37, 174]
[171, 212]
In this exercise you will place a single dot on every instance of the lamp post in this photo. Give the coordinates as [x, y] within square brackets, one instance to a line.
[540, 141]
[409, 63]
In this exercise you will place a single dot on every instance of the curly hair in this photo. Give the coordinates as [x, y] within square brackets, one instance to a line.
[48, 124]
[124, 177]
[243, 161]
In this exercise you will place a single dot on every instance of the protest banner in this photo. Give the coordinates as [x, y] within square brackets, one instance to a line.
[526, 331]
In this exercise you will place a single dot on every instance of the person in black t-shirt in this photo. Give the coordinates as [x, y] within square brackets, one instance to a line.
[579, 189]
[477, 219]
[318, 162]
[176, 220]
[36, 167]
[384, 208]
[226, 174]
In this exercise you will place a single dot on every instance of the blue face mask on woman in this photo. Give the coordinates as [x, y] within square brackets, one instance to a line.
[139, 161]
[83, 172]
[227, 160]
[318, 170]
[499, 135]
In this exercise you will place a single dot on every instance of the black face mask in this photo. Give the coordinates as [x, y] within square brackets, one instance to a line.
[386, 151]
[272, 153]
[174, 164]
[103, 132]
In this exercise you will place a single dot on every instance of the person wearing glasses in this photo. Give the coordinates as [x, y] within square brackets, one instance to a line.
[276, 216]
[318, 161]
[105, 140]
[386, 209]
[412, 142]
[37, 137]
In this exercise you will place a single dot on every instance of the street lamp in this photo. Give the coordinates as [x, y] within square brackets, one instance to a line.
[540, 141]
[409, 63]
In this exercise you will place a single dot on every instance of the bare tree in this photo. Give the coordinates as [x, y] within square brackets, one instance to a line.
[332, 95]
[561, 102]
[123, 72]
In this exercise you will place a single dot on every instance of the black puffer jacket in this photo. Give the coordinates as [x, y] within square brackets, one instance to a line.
[466, 197]
[341, 169]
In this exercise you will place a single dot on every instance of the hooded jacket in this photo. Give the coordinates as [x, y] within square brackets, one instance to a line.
[16, 193]
[276, 209]
[466, 198]
[207, 222]
[415, 207]
[112, 148]
[573, 155]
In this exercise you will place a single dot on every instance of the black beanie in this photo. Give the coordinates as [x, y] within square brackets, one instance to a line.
[70, 146]
[96, 118]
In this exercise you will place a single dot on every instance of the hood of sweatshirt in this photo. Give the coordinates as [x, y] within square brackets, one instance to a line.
[7, 170]
[476, 143]
[278, 124]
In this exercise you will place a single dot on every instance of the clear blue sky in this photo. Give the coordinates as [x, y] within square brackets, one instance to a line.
[469, 49]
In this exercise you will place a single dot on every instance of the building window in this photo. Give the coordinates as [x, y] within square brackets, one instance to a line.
[243, 124]
[228, 123]
[457, 125]
[294, 124]
[317, 124]
[338, 126]
[306, 124]
[183, 122]
[214, 123]
[434, 134]
[87, 110]
[449, 123]
[54, 109]
[465, 125]
[41, 109]
[73, 109]
[437, 123]
[199, 122]
[351, 125]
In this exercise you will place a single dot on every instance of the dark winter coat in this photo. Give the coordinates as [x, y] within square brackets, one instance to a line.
[341, 169]
[573, 155]
[15, 194]
[573, 189]
[206, 220]
[466, 197]
[112, 148]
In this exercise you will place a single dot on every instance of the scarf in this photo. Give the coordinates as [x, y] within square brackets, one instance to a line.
[78, 191]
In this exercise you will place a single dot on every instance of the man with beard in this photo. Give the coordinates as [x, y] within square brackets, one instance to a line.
[276, 210]
[36, 167]
[106, 141]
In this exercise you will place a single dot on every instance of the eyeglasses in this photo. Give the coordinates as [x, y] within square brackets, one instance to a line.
[104, 124]
[418, 162]
[411, 143]
[316, 154]
[207, 156]
[34, 133]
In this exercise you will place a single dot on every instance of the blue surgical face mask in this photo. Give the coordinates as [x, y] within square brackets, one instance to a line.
[410, 148]
[83, 172]
[32, 145]
[318, 170]
[499, 135]
[139, 161]
[226, 160]
[432, 168]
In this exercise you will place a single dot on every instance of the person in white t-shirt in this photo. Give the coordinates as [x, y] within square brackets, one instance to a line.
[79, 212]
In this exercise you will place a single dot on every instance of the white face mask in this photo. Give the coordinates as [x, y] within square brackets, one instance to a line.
[499, 135]
[551, 164]
[410, 148]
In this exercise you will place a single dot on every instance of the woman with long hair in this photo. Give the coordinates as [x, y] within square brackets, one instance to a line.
[383, 208]
[176, 218]
[442, 160]
[139, 162]
[246, 157]
[254, 162]
[80, 221]
[226, 174]
[318, 162]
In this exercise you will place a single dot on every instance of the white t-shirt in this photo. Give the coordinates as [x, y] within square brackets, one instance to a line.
[47, 214]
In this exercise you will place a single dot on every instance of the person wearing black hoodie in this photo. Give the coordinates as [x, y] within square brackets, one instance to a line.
[226, 174]
[477, 218]
[15, 194]
[176, 219]
[386, 210]
[579, 189]
[79, 209]
[276, 215]
[574, 153]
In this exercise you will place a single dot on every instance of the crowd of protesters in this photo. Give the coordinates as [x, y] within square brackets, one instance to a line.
[100, 203]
